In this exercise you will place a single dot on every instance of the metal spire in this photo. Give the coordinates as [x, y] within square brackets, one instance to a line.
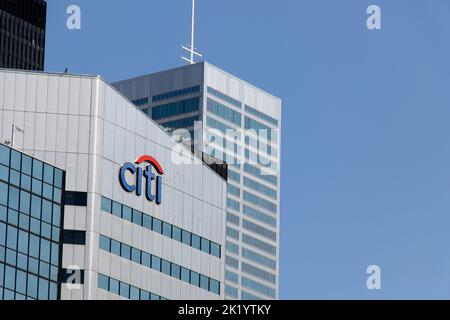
[191, 48]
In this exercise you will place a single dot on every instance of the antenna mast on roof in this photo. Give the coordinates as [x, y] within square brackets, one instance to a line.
[191, 48]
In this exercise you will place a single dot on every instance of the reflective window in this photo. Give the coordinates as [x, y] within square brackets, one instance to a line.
[134, 293]
[37, 169]
[175, 108]
[231, 292]
[215, 249]
[15, 159]
[32, 286]
[157, 225]
[25, 202]
[106, 205]
[59, 178]
[147, 221]
[196, 241]
[224, 97]
[25, 182]
[46, 213]
[146, 259]
[176, 93]
[176, 233]
[13, 201]
[156, 263]
[36, 187]
[47, 191]
[161, 227]
[136, 255]
[195, 279]
[124, 290]
[167, 230]
[204, 282]
[261, 115]
[4, 173]
[14, 177]
[4, 155]
[137, 217]
[114, 286]
[231, 276]
[115, 247]
[11, 237]
[186, 237]
[36, 207]
[175, 272]
[205, 245]
[105, 243]
[3, 193]
[103, 282]
[214, 286]
[48, 174]
[224, 112]
[117, 210]
[185, 274]
[165, 267]
[160, 265]
[125, 251]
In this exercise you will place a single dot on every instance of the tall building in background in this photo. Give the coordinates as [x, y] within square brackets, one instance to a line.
[181, 97]
[137, 224]
[22, 34]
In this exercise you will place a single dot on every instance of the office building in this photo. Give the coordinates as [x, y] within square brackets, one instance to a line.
[207, 103]
[22, 34]
[132, 213]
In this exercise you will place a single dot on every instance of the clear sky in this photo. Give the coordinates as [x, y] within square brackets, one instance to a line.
[366, 122]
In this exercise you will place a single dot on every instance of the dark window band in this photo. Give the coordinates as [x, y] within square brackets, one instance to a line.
[125, 290]
[75, 198]
[74, 237]
[72, 276]
[161, 227]
[158, 264]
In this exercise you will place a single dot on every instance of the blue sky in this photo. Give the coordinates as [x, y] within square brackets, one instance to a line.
[366, 134]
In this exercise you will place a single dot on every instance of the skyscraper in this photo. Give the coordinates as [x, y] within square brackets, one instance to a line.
[22, 34]
[97, 190]
[239, 123]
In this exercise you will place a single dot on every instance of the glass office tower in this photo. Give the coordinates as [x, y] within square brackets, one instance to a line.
[22, 34]
[31, 219]
[221, 103]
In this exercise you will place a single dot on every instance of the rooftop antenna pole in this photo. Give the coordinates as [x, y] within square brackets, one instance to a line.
[191, 48]
[14, 129]
[192, 32]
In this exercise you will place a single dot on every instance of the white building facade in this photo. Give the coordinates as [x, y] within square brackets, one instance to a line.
[138, 222]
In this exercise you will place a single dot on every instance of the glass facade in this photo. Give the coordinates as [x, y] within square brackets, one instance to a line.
[181, 123]
[224, 112]
[261, 115]
[175, 108]
[253, 193]
[140, 102]
[224, 97]
[31, 219]
[176, 93]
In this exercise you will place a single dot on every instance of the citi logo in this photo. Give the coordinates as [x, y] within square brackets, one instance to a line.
[138, 173]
